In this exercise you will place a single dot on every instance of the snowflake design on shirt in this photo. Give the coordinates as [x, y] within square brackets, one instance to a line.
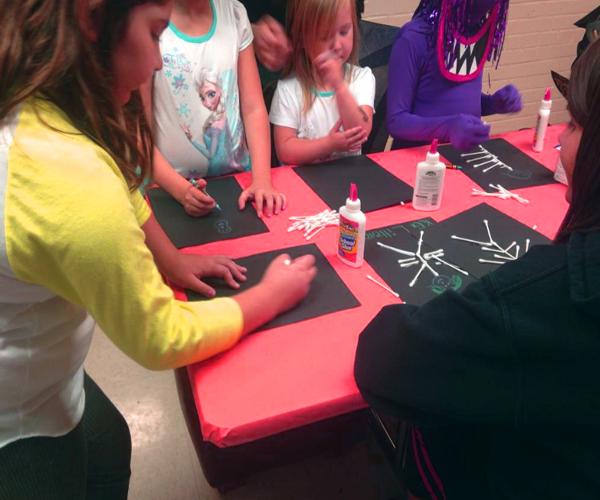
[179, 83]
[184, 110]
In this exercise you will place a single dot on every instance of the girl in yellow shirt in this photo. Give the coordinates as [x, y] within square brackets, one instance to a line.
[78, 245]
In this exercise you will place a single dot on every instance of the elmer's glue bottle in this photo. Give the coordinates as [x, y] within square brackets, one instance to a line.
[542, 121]
[351, 241]
[429, 184]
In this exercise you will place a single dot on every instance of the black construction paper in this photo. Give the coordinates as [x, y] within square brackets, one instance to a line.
[377, 188]
[526, 171]
[469, 224]
[385, 262]
[328, 293]
[227, 223]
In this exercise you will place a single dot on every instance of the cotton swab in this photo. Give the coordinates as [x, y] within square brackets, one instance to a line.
[482, 243]
[409, 264]
[412, 283]
[313, 224]
[487, 228]
[394, 249]
[490, 261]
[456, 268]
[502, 193]
[369, 277]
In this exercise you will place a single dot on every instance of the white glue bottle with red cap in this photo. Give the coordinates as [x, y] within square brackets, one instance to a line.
[429, 183]
[542, 121]
[351, 240]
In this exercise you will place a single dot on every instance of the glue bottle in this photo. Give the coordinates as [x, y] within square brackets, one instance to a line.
[429, 184]
[542, 121]
[351, 241]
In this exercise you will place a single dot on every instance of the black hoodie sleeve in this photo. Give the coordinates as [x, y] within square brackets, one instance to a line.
[451, 359]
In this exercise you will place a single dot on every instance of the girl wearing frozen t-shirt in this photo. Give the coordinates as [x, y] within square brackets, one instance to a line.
[324, 108]
[208, 110]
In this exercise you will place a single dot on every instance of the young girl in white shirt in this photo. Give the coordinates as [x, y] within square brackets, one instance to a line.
[208, 109]
[324, 108]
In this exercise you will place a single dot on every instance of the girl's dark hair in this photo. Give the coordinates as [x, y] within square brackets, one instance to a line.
[44, 53]
[584, 105]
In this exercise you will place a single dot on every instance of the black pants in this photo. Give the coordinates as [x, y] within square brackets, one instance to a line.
[90, 462]
[446, 463]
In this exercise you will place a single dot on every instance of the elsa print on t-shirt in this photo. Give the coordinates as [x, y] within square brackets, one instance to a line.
[222, 133]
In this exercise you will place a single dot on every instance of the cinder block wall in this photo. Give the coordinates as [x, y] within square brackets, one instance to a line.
[540, 37]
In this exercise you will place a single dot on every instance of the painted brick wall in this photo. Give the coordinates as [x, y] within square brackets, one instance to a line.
[540, 37]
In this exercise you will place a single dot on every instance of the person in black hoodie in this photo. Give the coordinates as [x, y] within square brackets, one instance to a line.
[502, 382]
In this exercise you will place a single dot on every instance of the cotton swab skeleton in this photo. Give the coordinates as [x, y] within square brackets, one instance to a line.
[423, 259]
[485, 158]
[313, 224]
[502, 193]
[503, 254]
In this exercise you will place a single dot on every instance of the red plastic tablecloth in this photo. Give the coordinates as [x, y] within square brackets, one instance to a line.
[297, 374]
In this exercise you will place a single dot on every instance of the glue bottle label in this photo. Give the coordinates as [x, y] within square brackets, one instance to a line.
[537, 130]
[348, 242]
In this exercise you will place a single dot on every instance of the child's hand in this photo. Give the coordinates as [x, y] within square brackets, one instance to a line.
[272, 46]
[190, 268]
[289, 280]
[330, 68]
[346, 140]
[195, 201]
[266, 199]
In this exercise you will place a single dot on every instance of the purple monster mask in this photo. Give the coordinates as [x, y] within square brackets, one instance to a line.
[469, 33]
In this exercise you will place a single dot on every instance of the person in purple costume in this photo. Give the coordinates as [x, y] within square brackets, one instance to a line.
[435, 74]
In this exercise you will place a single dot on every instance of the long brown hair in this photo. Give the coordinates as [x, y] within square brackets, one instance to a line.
[44, 53]
[306, 21]
[584, 106]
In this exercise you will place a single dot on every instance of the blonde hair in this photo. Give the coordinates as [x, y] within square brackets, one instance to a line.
[306, 20]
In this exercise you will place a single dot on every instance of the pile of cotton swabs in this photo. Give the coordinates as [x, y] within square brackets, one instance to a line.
[313, 224]
[503, 193]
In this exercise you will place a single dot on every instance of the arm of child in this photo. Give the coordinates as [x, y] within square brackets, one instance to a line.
[260, 303]
[352, 113]
[194, 201]
[185, 270]
[292, 150]
[99, 261]
[272, 45]
[286, 116]
[256, 126]
[408, 54]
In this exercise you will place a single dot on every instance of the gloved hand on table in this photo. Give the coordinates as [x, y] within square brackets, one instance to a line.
[466, 132]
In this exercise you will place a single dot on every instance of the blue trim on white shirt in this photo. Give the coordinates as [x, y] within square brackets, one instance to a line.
[198, 39]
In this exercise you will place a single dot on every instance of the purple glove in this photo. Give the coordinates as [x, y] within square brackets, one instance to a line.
[505, 100]
[465, 132]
